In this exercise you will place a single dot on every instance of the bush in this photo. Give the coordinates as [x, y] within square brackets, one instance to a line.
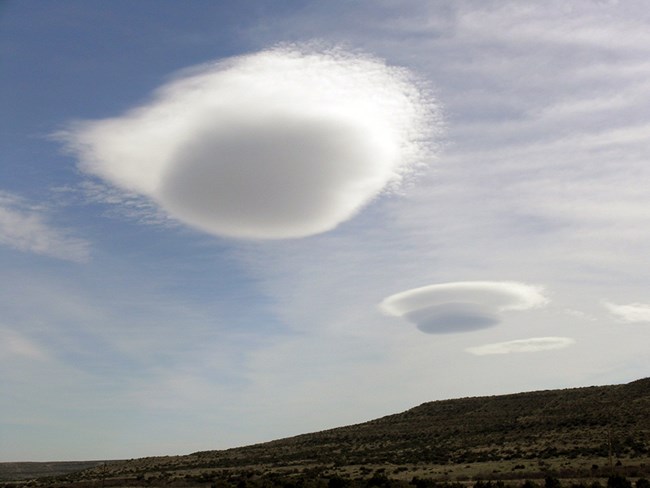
[551, 482]
[618, 481]
[483, 484]
[337, 482]
[378, 480]
[423, 482]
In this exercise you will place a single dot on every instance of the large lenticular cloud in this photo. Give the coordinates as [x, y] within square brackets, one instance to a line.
[284, 143]
[461, 306]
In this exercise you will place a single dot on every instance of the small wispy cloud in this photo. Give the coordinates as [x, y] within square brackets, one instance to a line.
[123, 204]
[632, 312]
[462, 306]
[534, 344]
[13, 344]
[288, 142]
[24, 226]
[579, 314]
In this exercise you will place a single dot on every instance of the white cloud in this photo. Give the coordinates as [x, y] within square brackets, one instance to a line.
[122, 204]
[632, 312]
[579, 314]
[461, 306]
[14, 344]
[284, 143]
[25, 227]
[534, 344]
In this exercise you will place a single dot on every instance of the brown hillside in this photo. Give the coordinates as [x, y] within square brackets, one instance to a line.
[570, 433]
[567, 423]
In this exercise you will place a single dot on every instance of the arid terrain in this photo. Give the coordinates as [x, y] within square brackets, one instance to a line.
[576, 437]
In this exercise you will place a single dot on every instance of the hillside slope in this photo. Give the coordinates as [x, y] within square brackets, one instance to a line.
[578, 426]
[567, 423]
[29, 470]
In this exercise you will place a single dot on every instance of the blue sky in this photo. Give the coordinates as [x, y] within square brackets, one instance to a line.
[228, 222]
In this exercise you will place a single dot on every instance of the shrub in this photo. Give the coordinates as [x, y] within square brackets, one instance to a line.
[423, 483]
[378, 480]
[337, 482]
[551, 482]
[618, 481]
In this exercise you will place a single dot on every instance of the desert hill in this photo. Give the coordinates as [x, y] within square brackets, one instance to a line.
[28, 470]
[543, 424]
[572, 433]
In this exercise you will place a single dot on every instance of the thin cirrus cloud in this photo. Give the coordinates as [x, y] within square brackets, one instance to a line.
[461, 306]
[533, 344]
[632, 312]
[25, 227]
[14, 344]
[284, 143]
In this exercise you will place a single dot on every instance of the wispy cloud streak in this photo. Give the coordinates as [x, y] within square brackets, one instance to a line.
[632, 312]
[534, 344]
[25, 227]
[16, 345]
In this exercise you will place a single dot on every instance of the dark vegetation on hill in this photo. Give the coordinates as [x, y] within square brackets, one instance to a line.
[566, 423]
[30, 470]
[583, 433]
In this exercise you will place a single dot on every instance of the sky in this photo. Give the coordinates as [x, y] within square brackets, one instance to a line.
[223, 223]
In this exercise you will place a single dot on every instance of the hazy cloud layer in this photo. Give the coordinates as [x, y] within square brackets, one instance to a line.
[287, 142]
[25, 227]
[632, 312]
[461, 306]
[534, 344]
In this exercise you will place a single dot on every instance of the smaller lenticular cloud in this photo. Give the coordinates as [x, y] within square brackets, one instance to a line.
[632, 312]
[534, 344]
[461, 306]
[283, 143]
